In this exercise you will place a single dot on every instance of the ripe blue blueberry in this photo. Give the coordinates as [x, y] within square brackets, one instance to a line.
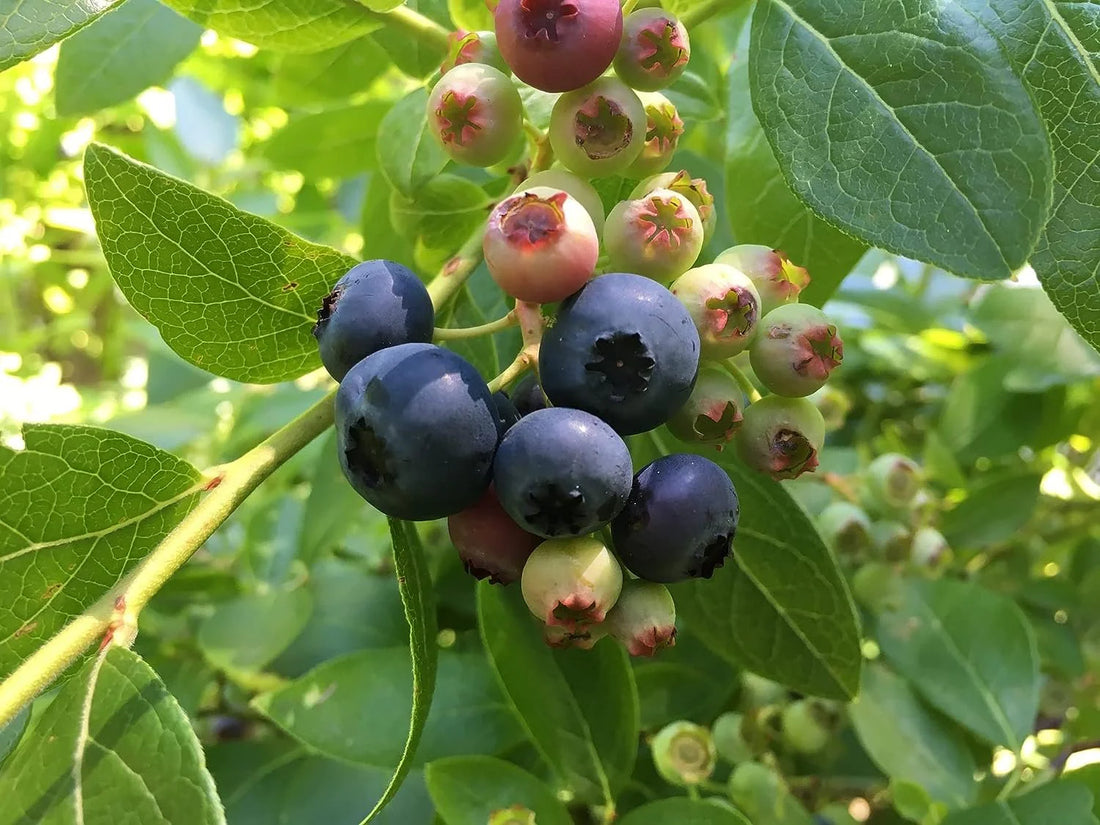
[377, 304]
[562, 472]
[679, 522]
[527, 395]
[622, 348]
[416, 429]
[504, 411]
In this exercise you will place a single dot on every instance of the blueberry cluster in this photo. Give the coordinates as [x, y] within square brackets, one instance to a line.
[538, 485]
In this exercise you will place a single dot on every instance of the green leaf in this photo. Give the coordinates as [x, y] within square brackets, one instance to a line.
[113, 744]
[246, 633]
[440, 217]
[322, 708]
[415, 56]
[31, 26]
[415, 584]
[1057, 803]
[120, 55]
[784, 584]
[762, 209]
[579, 707]
[282, 25]
[969, 651]
[911, 743]
[79, 508]
[992, 512]
[332, 143]
[332, 75]
[905, 126]
[410, 155]
[683, 812]
[230, 292]
[694, 99]
[688, 681]
[12, 732]
[472, 15]
[466, 790]
[1053, 45]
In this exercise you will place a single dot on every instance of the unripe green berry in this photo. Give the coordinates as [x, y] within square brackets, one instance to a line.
[758, 692]
[723, 304]
[892, 539]
[803, 728]
[893, 480]
[571, 582]
[598, 130]
[930, 548]
[659, 235]
[781, 436]
[473, 47]
[644, 618]
[694, 189]
[795, 350]
[684, 753]
[654, 51]
[778, 280]
[729, 741]
[476, 114]
[663, 131]
[761, 795]
[845, 528]
[714, 411]
[515, 815]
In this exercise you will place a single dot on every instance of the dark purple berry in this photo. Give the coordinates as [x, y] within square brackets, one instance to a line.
[679, 522]
[528, 396]
[504, 411]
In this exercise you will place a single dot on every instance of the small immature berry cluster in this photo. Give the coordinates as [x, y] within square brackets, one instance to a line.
[538, 485]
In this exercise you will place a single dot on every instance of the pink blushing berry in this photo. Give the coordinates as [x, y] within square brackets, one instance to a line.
[778, 280]
[659, 236]
[724, 305]
[476, 114]
[796, 350]
[654, 51]
[663, 130]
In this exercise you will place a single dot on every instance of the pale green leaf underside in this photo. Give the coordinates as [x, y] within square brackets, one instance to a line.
[30, 26]
[229, 291]
[132, 48]
[114, 746]
[903, 124]
[79, 507]
[283, 25]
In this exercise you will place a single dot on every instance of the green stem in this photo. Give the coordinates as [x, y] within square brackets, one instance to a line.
[457, 270]
[451, 334]
[531, 326]
[114, 617]
[413, 23]
[513, 371]
[742, 380]
[629, 6]
[1013, 779]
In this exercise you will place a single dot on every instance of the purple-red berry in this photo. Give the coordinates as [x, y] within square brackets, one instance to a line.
[540, 245]
[713, 413]
[659, 235]
[490, 544]
[644, 618]
[795, 350]
[723, 304]
[571, 582]
[476, 114]
[662, 135]
[694, 189]
[654, 50]
[781, 436]
[472, 47]
[598, 130]
[777, 279]
[558, 45]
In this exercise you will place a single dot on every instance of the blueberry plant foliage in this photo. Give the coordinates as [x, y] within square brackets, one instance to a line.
[745, 350]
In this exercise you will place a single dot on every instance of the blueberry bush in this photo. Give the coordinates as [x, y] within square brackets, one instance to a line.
[535, 412]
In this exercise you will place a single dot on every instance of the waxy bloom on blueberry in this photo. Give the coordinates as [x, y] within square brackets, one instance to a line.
[558, 45]
[777, 279]
[713, 413]
[795, 350]
[659, 235]
[654, 51]
[571, 583]
[662, 135]
[476, 114]
[644, 618]
[781, 436]
[598, 130]
[540, 245]
[723, 304]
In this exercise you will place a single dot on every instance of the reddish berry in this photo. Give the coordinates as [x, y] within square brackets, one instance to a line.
[558, 45]
[776, 278]
[795, 350]
[489, 543]
[662, 135]
[540, 245]
[472, 47]
[781, 436]
[654, 50]
[694, 189]
[598, 130]
[724, 305]
[571, 582]
[659, 235]
[713, 413]
[476, 114]
[644, 618]
[576, 186]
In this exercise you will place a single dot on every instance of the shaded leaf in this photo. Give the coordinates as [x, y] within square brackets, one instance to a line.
[466, 790]
[332, 143]
[1057, 803]
[684, 812]
[410, 155]
[992, 512]
[248, 632]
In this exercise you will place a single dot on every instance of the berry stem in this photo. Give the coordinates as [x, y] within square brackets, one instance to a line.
[424, 29]
[113, 619]
[457, 270]
[513, 371]
[531, 325]
[450, 334]
[742, 380]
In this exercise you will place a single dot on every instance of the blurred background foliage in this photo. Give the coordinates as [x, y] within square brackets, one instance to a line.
[985, 385]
